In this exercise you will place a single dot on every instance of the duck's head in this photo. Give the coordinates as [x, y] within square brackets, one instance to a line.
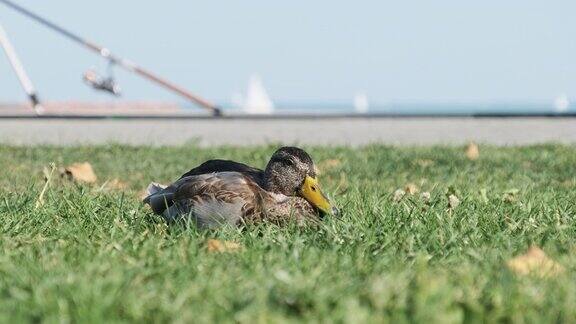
[291, 172]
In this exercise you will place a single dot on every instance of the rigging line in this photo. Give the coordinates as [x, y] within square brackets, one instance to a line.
[104, 52]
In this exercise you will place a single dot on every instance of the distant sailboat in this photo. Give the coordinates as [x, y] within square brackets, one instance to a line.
[361, 104]
[561, 103]
[257, 100]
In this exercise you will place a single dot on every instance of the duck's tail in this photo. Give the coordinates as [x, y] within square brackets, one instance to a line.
[159, 197]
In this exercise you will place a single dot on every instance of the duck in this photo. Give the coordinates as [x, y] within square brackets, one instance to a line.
[223, 192]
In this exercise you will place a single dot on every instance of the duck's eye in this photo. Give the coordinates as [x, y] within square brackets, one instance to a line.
[313, 188]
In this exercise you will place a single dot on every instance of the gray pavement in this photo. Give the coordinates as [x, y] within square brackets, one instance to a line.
[332, 131]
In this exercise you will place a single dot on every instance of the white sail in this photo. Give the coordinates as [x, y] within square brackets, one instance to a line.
[257, 100]
[561, 103]
[361, 104]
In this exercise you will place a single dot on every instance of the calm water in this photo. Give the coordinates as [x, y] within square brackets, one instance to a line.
[415, 109]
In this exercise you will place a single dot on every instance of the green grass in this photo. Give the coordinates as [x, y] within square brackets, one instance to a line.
[93, 254]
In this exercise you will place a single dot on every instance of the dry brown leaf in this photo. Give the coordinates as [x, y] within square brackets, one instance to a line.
[115, 184]
[425, 163]
[472, 151]
[425, 196]
[331, 163]
[398, 195]
[534, 262]
[326, 165]
[214, 245]
[411, 189]
[510, 195]
[453, 201]
[81, 172]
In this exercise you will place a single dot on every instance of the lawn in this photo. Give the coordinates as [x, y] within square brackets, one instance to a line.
[93, 253]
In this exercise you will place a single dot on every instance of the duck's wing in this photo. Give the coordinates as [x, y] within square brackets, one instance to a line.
[211, 200]
[213, 166]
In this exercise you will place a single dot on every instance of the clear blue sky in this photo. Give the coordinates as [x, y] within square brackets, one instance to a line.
[307, 51]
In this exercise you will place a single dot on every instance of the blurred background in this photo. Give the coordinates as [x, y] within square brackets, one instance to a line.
[390, 56]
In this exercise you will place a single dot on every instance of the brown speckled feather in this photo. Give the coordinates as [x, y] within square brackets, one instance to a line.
[283, 209]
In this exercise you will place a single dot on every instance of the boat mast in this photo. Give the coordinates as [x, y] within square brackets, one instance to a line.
[128, 65]
[20, 72]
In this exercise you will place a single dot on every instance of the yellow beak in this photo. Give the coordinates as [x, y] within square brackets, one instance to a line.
[311, 191]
